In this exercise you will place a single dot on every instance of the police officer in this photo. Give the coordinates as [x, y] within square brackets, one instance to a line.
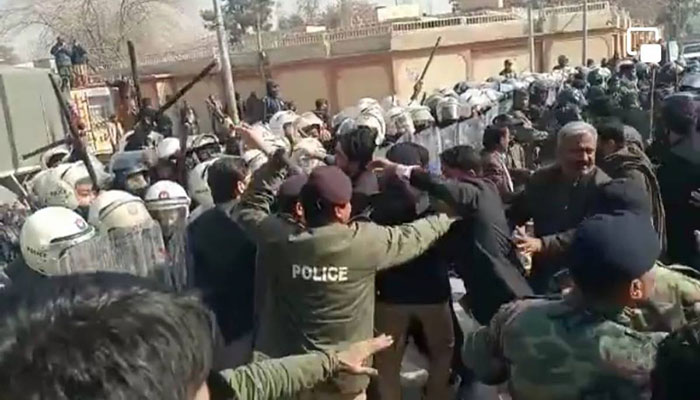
[579, 346]
[134, 236]
[130, 172]
[168, 204]
[57, 241]
[324, 276]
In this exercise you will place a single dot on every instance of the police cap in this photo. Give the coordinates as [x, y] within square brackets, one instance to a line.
[330, 184]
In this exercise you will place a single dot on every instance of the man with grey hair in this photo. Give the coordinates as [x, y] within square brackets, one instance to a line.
[557, 199]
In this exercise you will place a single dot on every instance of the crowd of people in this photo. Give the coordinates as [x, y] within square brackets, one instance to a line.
[300, 255]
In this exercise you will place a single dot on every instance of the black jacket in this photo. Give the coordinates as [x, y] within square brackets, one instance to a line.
[224, 270]
[678, 178]
[423, 280]
[365, 187]
[79, 55]
[480, 244]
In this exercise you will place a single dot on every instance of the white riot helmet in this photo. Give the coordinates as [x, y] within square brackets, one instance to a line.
[57, 241]
[390, 102]
[55, 156]
[206, 146]
[448, 109]
[134, 236]
[306, 123]
[432, 102]
[169, 205]
[75, 173]
[421, 116]
[52, 191]
[197, 185]
[34, 184]
[346, 127]
[367, 102]
[117, 209]
[168, 148]
[166, 195]
[369, 118]
[280, 120]
[400, 123]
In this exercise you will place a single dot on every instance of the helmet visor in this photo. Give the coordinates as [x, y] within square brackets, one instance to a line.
[91, 255]
[141, 249]
[171, 220]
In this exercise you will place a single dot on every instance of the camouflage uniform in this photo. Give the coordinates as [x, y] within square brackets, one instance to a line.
[558, 349]
[12, 217]
[674, 302]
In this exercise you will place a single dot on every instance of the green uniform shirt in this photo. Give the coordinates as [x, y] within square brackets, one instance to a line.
[281, 378]
[554, 350]
[321, 281]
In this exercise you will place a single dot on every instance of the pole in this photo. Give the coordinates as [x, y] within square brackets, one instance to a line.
[531, 35]
[652, 104]
[78, 145]
[226, 71]
[135, 75]
[585, 32]
[418, 87]
[261, 52]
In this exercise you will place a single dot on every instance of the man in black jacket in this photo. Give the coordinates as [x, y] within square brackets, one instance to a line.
[224, 263]
[353, 153]
[679, 178]
[480, 243]
[415, 296]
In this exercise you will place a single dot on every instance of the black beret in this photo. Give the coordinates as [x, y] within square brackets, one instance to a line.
[616, 247]
[405, 153]
[291, 188]
[331, 184]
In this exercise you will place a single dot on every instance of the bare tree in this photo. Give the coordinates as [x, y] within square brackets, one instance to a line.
[309, 10]
[102, 26]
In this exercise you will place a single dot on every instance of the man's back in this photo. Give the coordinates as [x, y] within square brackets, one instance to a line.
[677, 179]
[423, 280]
[557, 349]
[224, 270]
[324, 280]
[480, 243]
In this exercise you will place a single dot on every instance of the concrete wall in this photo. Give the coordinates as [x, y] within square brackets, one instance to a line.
[303, 85]
[449, 66]
[380, 62]
[356, 82]
[466, 5]
[599, 46]
[488, 62]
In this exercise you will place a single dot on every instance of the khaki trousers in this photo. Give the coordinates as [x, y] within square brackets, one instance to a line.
[436, 323]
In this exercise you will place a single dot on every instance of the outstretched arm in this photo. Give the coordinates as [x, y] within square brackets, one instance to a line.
[392, 246]
[287, 377]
